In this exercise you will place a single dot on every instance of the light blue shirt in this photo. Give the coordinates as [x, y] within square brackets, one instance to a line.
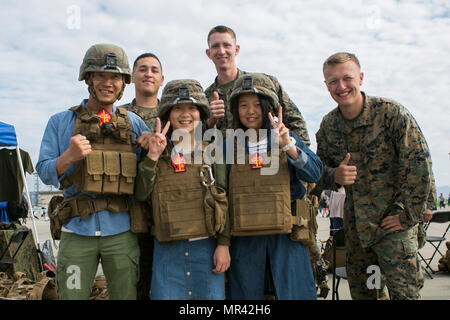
[55, 142]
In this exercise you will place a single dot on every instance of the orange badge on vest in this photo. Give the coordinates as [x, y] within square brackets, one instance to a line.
[256, 161]
[104, 116]
[179, 163]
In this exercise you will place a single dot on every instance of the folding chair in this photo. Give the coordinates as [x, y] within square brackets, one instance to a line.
[435, 241]
[338, 273]
[18, 238]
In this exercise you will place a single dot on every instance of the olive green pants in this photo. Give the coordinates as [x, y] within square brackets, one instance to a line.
[78, 258]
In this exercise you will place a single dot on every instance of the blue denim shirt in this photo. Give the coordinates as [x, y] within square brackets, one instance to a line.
[307, 167]
[55, 141]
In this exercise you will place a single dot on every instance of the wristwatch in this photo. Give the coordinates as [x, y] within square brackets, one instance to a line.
[289, 145]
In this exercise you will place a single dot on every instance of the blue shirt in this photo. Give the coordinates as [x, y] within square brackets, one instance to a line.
[54, 143]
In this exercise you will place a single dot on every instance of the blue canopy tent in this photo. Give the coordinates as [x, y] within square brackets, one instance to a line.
[8, 138]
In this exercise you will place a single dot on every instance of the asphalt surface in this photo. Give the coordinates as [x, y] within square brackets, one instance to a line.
[437, 288]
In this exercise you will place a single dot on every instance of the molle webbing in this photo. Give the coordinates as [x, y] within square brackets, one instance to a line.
[110, 168]
[178, 203]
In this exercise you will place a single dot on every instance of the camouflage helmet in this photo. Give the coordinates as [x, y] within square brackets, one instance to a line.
[183, 91]
[258, 83]
[105, 58]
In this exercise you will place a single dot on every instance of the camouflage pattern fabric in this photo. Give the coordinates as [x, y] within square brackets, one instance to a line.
[180, 92]
[27, 256]
[105, 58]
[396, 256]
[147, 114]
[19, 287]
[393, 162]
[292, 117]
[394, 177]
[257, 83]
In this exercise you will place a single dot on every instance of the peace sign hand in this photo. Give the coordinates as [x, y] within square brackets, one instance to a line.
[280, 130]
[156, 142]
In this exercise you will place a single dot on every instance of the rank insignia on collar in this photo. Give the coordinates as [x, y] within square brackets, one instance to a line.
[256, 161]
[179, 163]
[104, 116]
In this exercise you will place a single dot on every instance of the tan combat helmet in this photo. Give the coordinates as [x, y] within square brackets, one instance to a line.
[105, 58]
[255, 83]
[183, 91]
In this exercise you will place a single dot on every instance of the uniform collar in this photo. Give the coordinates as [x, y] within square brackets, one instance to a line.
[365, 117]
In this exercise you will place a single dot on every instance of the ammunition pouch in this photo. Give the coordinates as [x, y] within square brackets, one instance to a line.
[303, 232]
[60, 210]
[110, 168]
[104, 172]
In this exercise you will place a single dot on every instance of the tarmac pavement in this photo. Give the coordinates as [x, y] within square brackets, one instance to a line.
[437, 288]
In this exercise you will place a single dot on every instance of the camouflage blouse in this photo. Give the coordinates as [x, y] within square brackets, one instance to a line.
[393, 162]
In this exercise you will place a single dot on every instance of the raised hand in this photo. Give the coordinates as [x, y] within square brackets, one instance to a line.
[345, 174]
[279, 128]
[156, 142]
[217, 108]
[79, 147]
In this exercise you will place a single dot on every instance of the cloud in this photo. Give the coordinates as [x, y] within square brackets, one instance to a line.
[402, 45]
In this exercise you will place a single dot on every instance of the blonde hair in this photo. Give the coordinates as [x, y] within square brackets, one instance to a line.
[340, 57]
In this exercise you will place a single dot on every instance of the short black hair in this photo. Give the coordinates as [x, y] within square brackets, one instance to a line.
[146, 55]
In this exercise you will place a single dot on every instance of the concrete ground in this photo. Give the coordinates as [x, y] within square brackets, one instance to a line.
[437, 288]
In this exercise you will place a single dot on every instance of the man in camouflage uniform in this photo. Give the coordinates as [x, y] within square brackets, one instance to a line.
[148, 78]
[374, 147]
[222, 50]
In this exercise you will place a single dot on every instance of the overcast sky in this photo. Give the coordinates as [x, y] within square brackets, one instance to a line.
[403, 47]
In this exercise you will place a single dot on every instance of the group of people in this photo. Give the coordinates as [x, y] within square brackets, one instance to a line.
[167, 225]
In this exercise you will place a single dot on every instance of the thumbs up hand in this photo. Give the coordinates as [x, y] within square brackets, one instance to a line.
[345, 174]
[217, 109]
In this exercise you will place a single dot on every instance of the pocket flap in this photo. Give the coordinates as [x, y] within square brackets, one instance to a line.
[111, 162]
[94, 163]
[128, 164]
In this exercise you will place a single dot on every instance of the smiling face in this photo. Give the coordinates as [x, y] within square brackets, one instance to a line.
[107, 86]
[147, 76]
[343, 81]
[222, 50]
[250, 111]
[183, 116]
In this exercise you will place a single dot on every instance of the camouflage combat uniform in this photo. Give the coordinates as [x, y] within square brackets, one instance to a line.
[394, 177]
[145, 240]
[292, 117]
[147, 114]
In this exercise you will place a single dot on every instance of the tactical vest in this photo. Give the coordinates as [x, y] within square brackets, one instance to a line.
[110, 168]
[260, 204]
[179, 201]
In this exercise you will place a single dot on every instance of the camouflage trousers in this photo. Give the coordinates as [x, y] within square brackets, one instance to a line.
[395, 256]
